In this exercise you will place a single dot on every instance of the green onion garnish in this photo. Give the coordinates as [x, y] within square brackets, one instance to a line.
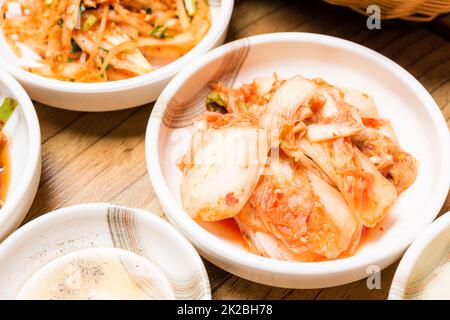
[155, 31]
[163, 33]
[75, 46]
[6, 110]
[89, 22]
[216, 102]
[160, 32]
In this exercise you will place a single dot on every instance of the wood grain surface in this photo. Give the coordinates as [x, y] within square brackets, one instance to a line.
[99, 157]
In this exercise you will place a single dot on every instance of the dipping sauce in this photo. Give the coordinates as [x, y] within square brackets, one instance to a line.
[5, 168]
[98, 274]
[439, 287]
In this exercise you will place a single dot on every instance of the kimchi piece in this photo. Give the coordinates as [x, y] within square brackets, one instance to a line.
[328, 166]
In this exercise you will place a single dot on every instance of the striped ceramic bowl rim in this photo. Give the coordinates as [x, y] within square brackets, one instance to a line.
[102, 225]
[418, 266]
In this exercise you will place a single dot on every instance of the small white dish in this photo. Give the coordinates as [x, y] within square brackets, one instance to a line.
[100, 225]
[415, 116]
[419, 268]
[115, 95]
[24, 142]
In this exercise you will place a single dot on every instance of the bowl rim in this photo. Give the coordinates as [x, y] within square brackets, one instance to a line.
[163, 73]
[32, 165]
[99, 209]
[213, 246]
[411, 256]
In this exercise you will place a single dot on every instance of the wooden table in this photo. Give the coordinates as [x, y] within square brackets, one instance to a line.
[99, 157]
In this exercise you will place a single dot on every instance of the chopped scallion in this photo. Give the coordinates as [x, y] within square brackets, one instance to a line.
[6, 110]
[155, 31]
[160, 32]
[216, 102]
[89, 22]
[163, 33]
[75, 46]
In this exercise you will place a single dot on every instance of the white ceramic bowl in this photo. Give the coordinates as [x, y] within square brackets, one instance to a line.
[422, 260]
[24, 138]
[415, 116]
[101, 225]
[121, 94]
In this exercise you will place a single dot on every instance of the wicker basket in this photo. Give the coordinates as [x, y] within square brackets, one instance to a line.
[414, 10]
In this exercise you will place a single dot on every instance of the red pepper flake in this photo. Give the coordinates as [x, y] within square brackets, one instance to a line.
[279, 194]
[372, 122]
[230, 199]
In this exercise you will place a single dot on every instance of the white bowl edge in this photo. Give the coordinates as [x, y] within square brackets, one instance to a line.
[19, 200]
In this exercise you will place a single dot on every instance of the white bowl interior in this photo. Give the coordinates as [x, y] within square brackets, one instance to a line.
[412, 112]
[95, 226]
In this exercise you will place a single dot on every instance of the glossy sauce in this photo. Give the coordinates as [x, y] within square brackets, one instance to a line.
[228, 229]
[225, 229]
[5, 165]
